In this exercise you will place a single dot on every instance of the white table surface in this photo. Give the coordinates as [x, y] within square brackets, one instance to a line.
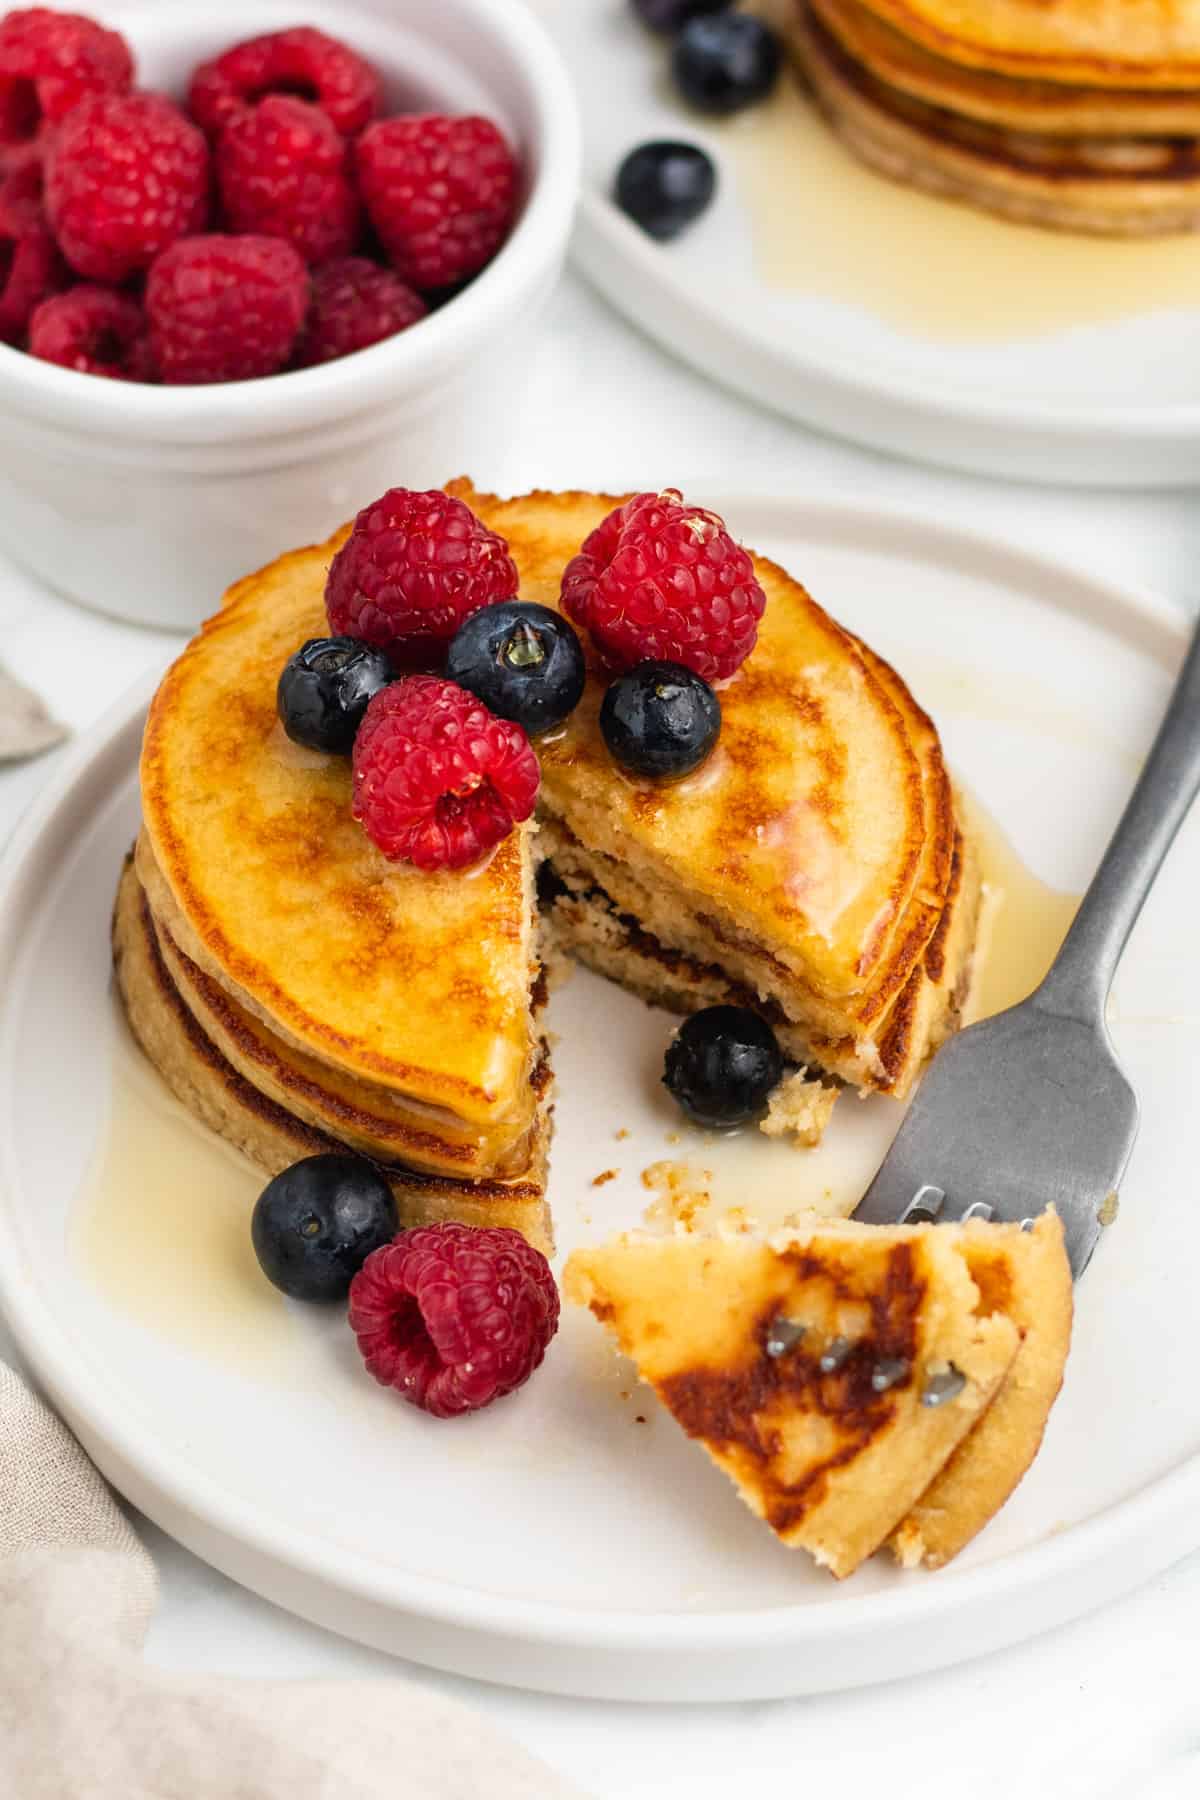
[1105, 1709]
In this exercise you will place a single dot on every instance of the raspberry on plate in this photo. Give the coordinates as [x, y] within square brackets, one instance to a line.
[355, 303]
[126, 175]
[302, 62]
[454, 1316]
[95, 330]
[662, 580]
[438, 779]
[30, 267]
[283, 171]
[49, 62]
[413, 568]
[225, 308]
[441, 194]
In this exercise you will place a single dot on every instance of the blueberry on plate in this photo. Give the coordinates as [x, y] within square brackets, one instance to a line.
[660, 719]
[726, 62]
[665, 186]
[316, 1223]
[523, 661]
[670, 16]
[325, 689]
[722, 1064]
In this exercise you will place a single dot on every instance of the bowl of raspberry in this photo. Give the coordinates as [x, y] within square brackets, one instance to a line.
[253, 265]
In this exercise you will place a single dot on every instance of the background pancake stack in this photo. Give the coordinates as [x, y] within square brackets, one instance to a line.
[1077, 116]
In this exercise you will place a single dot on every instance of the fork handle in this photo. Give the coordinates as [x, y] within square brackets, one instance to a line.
[1082, 973]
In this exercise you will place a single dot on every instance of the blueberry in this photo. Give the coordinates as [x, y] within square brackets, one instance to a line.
[724, 63]
[316, 1223]
[325, 688]
[664, 186]
[722, 1064]
[523, 661]
[660, 720]
[672, 15]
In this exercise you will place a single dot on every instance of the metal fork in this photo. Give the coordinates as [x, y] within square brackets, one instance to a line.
[1031, 1108]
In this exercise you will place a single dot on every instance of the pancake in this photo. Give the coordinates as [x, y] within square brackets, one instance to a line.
[830, 1371]
[363, 1116]
[1107, 186]
[1026, 1276]
[815, 862]
[1094, 43]
[270, 1135]
[1018, 103]
[415, 984]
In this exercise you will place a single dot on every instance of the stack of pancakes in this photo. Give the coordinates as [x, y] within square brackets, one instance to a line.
[814, 868]
[299, 992]
[1083, 115]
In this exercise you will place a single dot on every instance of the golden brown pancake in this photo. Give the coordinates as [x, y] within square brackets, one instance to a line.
[1018, 103]
[416, 984]
[1108, 186]
[1094, 43]
[830, 1371]
[270, 1135]
[1025, 1276]
[811, 863]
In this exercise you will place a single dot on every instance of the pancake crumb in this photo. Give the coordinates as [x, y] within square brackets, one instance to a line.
[681, 1192]
[622, 1134]
[605, 1175]
[799, 1108]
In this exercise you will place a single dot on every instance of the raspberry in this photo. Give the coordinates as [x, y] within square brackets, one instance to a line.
[413, 568]
[438, 779]
[355, 303]
[302, 62]
[283, 171]
[225, 308]
[95, 330]
[441, 194]
[30, 266]
[49, 62]
[454, 1316]
[22, 185]
[663, 580]
[126, 175]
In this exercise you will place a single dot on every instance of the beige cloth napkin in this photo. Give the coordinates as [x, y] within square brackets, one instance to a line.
[83, 1717]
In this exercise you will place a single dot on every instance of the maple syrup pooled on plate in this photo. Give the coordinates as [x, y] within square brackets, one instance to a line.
[1022, 923]
[162, 1226]
[825, 224]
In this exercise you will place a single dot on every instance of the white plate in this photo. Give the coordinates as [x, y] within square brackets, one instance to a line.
[1045, 398]
[555, 1541]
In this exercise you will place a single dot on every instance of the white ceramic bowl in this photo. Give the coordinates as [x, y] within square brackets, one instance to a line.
[146, 501]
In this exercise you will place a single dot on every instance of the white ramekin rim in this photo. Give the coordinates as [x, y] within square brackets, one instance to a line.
[306, 398]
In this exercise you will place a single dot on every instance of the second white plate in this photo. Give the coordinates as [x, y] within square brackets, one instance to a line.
[854, 304]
